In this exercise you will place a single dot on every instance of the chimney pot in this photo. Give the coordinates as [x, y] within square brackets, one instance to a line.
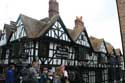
[78, 22]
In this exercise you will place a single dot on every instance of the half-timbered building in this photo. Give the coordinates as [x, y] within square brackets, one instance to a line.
[80, 37]
[119, 57]
[119, 64]
[114, 70]
[48, 41]
[100, 53]
[111, 54]
[51, 43]
[4, 43]
[100, 49]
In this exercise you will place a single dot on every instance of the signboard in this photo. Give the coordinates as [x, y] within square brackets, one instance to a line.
[62, 52]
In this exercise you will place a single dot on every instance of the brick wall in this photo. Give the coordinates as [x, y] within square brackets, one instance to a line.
[121, 13]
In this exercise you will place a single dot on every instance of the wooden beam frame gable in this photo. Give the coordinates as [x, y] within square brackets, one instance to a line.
[58, 31]
[20, 32]
[87, 39]
[82, 40]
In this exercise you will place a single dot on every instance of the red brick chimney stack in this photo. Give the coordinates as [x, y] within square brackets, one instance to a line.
[53, 8]
[78, 22]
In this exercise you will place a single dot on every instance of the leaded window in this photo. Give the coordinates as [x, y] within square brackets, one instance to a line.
[15, 50]
[82, 53]
[43, 49]
[28, 51]
[92, 59]
[102, 58]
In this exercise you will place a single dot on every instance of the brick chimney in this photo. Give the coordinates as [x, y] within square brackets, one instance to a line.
[53, 8]
[78, 22]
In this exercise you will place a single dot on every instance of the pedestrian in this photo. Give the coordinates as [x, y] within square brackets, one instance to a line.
[33, 74]
[24, 74]
[64, 77]
[10, 74]
[57, 76]
[50, 77]
[44, 75]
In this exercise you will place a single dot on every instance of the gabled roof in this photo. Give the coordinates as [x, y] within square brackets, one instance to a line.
[32, 26]
[49, 24]
[36, 28]
[96, 43]
[109, 48]
[118, 52]
[9, 30]
[75, 33]
[46, 19]
[69, 31]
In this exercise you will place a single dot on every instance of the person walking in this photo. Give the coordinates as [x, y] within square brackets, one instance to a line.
[10, 74]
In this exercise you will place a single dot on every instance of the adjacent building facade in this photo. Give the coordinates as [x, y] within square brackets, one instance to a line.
[121, 14]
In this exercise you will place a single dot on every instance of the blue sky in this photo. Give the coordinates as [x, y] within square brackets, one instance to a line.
[99, 16]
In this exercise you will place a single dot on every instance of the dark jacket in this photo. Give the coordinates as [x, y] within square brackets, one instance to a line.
[10, 76]
[44, 78]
